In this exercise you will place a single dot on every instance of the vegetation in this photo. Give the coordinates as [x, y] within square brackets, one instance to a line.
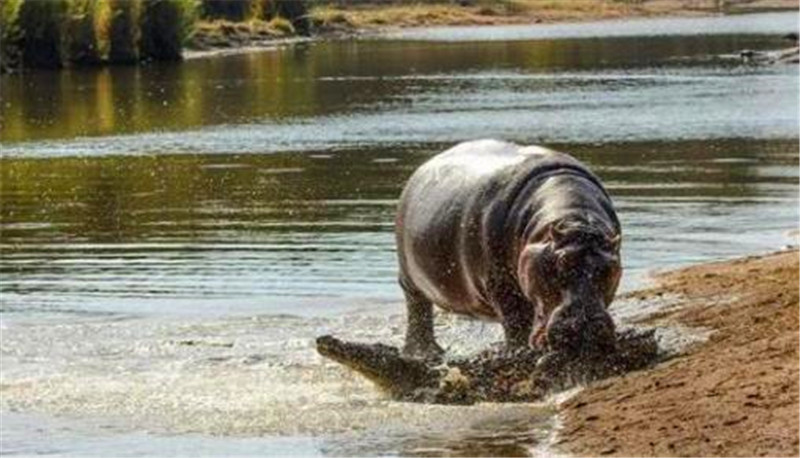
[165, 26]
[81, 34]
[281, 25]
[294, 11]
[52, 33]
[232, 10]
[365, 14]
[10, 32]
[124, 31]
[41, 27]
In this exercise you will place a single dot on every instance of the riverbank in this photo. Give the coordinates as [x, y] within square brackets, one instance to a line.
[128, 33]
[375, 16]
[212, 38]
[733, 395]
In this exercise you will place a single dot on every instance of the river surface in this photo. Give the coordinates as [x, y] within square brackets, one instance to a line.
[174, 236]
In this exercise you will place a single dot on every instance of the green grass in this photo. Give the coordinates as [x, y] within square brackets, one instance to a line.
[281, 25]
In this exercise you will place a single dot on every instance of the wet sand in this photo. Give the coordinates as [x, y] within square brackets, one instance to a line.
[734, 395]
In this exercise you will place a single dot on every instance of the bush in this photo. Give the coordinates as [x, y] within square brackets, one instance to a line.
[165, 26]
[123, 32]
[260, 9]
[10, 35]
[232, 10]
[281, 25]
[42, 23]
[189, 14]
[296, 11]
[81, 34]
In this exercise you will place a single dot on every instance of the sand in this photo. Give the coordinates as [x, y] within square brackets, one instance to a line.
[377, 14]
[735, 394]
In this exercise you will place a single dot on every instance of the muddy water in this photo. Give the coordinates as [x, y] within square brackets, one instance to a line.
[173, 237]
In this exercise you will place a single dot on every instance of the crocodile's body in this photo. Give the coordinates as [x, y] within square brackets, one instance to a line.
[521, 376]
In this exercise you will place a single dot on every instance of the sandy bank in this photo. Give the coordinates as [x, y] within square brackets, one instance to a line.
[379, 15]
[330, 22]
[734, 395]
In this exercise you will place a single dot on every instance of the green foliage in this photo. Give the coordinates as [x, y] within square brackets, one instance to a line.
[42, 24]
[232, 10]
[48, 33]
[165, 26]
[259, 9]
[10, 35]
[293, 10]
[281, 25]
[123, 33]
[189, 15]
[81, 34]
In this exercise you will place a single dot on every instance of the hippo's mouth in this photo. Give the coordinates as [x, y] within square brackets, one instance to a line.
[521, 376]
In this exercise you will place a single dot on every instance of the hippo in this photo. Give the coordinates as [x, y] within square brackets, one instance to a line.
[521, 235]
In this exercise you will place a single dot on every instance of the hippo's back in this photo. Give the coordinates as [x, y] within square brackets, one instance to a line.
[439, 190]
[447, 213]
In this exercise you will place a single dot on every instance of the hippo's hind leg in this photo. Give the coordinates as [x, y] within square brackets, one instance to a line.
[420, 339]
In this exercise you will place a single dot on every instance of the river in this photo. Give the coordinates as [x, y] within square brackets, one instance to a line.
[174, 236]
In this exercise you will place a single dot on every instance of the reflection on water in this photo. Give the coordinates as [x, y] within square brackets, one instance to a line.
[647, 104]
[174, 236]
[312, 83]
[222, 233]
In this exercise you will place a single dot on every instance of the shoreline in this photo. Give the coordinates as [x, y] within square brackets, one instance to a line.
[734, 394]
[220, 37]
[375, 16]
[370, 20]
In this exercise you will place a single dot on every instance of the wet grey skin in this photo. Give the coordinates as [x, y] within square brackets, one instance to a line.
[521, 235]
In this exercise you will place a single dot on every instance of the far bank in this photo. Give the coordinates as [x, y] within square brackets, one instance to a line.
[352, 18]
[63, 33]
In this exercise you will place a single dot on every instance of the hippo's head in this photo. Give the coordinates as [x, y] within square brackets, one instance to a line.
[571, 275]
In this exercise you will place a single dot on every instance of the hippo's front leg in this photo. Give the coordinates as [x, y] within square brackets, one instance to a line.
[517, 315]
[420, 339]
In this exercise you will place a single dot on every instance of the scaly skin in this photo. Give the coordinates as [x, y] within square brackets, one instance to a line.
[495, 376]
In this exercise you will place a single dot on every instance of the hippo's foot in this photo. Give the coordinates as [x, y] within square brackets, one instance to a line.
[425, 351]
[522, 375]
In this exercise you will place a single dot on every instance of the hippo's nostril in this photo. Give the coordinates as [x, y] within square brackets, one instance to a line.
[563, 334]
[582, 334]
[600, 333]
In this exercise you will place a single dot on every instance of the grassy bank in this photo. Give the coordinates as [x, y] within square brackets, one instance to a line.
[58, 33]
[358, 15]
[733, 395]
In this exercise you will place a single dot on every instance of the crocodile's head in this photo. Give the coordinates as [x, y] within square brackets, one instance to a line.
[382, 364]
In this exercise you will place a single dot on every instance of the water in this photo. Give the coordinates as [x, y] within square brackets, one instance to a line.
[174, 236]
